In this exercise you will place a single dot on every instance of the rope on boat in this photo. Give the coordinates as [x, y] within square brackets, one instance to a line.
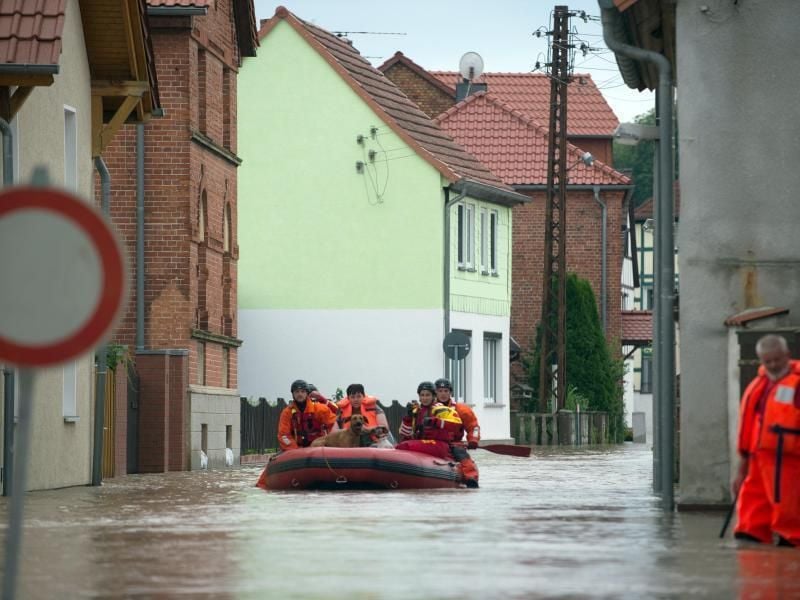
[339, 478]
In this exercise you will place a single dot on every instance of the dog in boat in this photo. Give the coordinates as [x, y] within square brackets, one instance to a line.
[358, 435]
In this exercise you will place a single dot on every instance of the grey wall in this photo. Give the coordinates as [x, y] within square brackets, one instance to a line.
[739, 237]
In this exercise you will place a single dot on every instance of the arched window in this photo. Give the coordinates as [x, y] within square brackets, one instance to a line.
[202, 210]
[226, 228]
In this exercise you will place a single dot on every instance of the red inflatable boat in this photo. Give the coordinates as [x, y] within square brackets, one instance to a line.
[358, 468]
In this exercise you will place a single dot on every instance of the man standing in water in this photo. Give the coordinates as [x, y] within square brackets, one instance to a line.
[767, 484]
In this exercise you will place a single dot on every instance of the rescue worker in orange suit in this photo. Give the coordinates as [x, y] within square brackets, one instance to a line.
[444, 394]
[767, 485]
[357, 402]
[303, 420]
[431, 427]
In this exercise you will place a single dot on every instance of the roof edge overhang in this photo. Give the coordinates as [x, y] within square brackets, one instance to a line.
[489, 193]
[282, 14]
[582, 186]
[177, 11]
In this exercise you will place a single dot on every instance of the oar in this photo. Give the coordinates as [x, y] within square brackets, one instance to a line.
[509, 449]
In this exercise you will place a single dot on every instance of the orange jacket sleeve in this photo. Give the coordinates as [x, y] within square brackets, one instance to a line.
[470, 422]
[747, 439]
[325, 415]
[286, 437]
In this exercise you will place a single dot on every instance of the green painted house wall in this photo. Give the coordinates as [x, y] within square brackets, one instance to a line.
[298, 125]
[473, 291]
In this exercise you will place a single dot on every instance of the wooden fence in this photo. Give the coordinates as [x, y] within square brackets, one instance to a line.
[565, 428]
[259, 423]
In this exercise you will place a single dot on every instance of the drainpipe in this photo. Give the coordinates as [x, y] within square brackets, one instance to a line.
[604, 254]
[140, 237]
[448, 204]
[665, 359]
[8, 372]
[100, 357]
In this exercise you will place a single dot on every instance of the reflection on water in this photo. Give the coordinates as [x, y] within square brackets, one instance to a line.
[562, 524]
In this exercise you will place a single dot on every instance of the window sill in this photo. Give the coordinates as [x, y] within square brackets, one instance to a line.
[495, 274]
[466, 268]
[71, 419]
[485, 272]
[493, 405]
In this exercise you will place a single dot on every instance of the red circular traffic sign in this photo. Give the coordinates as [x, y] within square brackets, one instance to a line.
[62, 276]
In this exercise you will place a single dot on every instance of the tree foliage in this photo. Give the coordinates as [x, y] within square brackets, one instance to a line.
[593, 373]
[639, 159]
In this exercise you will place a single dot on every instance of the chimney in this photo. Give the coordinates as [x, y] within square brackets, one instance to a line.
[467, 88]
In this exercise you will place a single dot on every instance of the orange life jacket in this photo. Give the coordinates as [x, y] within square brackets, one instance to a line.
[780, 413]
[368, 408]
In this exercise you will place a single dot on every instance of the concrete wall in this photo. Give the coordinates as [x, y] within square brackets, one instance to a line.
[739, 247]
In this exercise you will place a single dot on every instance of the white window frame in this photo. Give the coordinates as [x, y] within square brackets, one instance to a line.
[466, 236]
[484, 227]
[70, 148]
[69, 390]
[494, 223]
[492, 350]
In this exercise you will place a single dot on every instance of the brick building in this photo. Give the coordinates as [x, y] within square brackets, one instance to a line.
[182, 169]
[504, 126]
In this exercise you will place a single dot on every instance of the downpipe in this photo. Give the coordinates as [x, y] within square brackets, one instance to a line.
[603, 259]
[665, 300]
[8, 372]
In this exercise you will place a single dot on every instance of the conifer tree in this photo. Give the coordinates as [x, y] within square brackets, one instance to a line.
[592, 370]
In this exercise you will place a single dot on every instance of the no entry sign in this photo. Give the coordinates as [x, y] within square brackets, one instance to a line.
[62, 277]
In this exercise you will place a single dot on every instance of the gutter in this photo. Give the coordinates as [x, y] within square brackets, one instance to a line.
[488, 193]
[665, 300]
[28, 69]
[8, 372]
[180, 11]
[102, 361]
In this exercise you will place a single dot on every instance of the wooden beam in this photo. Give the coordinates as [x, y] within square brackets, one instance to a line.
[19, 97]
[110, 130]
[97, 126]
[119, 88]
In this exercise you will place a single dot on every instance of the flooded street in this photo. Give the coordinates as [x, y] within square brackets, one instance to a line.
[562, 524]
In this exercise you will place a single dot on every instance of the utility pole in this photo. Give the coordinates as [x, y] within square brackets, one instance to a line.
[553, 381]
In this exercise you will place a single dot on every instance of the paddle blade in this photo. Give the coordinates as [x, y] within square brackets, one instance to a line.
[509, 449]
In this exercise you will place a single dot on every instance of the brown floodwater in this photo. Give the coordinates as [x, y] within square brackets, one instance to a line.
[565, 523]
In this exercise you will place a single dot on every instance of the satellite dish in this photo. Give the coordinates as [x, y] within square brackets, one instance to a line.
[470, 66]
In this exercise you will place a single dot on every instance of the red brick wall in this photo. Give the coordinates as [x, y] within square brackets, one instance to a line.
[190, 279]
[432, 100]
[584, 219]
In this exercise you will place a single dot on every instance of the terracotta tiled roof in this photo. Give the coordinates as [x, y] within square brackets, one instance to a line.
[513, 146]
[637, 327]
[754, 314]
[30, 32]
[401, 114]
[645, 209]
[588, 113]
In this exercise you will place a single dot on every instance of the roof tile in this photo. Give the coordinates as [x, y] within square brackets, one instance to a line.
[588, 113]
[30, 31]
[513, 146]
[637, 327]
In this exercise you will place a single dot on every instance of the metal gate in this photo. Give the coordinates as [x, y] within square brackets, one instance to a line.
[109, 451]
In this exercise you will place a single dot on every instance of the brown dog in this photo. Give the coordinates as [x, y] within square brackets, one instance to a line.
[346, 438]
